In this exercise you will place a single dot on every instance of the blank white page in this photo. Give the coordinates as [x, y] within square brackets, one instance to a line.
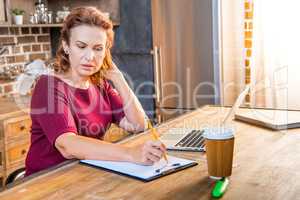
[141, 171]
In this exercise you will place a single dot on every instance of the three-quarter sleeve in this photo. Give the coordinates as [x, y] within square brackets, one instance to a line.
[116, 103]
[50, 108]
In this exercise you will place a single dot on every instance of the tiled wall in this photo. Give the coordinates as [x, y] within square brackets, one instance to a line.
[31, 43]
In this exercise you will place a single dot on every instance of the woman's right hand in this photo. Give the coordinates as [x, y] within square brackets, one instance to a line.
[147, 153]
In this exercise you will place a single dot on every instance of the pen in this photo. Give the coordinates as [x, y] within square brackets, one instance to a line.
[173, 165]
[155, 136]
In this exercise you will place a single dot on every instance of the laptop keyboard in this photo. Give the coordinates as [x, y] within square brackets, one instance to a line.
[193, 139]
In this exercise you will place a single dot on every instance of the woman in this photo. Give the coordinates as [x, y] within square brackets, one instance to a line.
[72, 108]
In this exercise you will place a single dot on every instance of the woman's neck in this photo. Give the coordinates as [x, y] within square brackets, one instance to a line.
[76, 81]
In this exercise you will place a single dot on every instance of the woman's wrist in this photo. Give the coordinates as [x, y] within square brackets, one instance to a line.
[119, 81]
[129, 154]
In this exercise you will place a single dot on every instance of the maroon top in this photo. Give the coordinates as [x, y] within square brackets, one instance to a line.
[57, 108]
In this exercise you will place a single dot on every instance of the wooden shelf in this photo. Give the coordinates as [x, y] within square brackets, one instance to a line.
[40, 25]
[31, 25]
[111, 6]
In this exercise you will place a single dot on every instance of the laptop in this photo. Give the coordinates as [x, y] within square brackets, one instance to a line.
[270, 118]
[188, 139]
[183, 139]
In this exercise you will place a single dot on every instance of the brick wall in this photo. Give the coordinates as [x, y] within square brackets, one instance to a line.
[31, 43]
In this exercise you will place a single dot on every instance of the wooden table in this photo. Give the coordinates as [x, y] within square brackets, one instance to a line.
[266, 166]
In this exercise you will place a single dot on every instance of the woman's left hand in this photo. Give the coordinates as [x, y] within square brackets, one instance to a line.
[114, 74]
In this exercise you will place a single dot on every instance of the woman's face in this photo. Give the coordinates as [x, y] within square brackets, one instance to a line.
[86, 49]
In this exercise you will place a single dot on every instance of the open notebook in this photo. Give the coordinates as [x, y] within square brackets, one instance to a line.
[142, 172]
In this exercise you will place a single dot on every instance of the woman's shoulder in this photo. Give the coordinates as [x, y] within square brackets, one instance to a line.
[46, 83]
[44, 78]
[48, 79]
[107, 86]
[47, 88]
[42, 82]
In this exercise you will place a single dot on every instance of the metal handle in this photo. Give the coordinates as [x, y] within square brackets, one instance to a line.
[160, 71]
[157, 74]
[158, 81]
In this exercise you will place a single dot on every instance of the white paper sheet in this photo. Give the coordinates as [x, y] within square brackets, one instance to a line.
[141, 171]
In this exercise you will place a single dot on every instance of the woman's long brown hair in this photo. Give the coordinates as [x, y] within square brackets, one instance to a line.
[85, 16]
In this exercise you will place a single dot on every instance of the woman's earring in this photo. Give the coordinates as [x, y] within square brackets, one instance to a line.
[66, 51]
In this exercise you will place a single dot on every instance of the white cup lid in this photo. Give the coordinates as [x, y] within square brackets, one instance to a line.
[218, 133]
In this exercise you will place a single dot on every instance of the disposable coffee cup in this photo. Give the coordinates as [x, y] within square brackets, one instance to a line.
[219, 144]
